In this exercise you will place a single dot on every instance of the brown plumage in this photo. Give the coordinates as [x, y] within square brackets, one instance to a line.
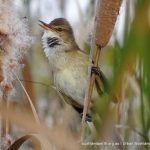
[68, 63]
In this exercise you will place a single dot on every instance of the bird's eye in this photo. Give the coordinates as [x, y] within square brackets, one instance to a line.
[59, 29]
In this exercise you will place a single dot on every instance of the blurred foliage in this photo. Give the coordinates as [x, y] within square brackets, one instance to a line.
[131, 75]
[126, 65]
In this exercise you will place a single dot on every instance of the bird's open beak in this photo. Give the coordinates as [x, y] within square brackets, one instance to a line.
[45, 25]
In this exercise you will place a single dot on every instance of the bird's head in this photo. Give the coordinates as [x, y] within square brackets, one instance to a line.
[58, 33]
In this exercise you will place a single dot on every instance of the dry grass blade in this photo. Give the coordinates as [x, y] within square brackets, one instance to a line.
[41, 140]
[30, 102]
[90, 90]
[35, 82]
[18, 143]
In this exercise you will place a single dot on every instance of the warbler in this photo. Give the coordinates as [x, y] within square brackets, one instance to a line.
[69, 64]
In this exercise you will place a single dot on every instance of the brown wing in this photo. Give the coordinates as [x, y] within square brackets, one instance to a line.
[70, 101]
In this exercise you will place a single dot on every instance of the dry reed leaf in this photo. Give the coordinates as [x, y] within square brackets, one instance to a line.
[19, 142]
[106, 15]
[57, 135]
[43, 142]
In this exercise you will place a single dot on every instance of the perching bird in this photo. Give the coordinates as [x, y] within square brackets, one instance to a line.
[68, 63]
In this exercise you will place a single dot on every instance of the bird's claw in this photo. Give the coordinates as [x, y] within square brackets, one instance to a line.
[88, 118]
[95, 70]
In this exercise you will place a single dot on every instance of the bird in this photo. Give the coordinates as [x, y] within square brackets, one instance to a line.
[69, 64]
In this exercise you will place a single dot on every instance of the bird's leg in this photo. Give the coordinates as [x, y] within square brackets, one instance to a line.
[96, 71]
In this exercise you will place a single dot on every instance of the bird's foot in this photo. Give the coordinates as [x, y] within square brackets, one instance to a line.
[88, 117]
[95, 70]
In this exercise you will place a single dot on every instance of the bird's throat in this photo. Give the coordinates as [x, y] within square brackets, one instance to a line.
[52, 42]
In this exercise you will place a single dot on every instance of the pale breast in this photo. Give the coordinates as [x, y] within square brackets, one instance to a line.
[72, 81]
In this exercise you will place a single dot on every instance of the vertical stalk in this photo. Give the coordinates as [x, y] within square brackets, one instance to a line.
[142, 103]
[142, 100]
[90, 89]
[90, 85]
[3, 120]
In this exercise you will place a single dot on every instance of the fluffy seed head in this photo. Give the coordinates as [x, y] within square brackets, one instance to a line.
[14, 41]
